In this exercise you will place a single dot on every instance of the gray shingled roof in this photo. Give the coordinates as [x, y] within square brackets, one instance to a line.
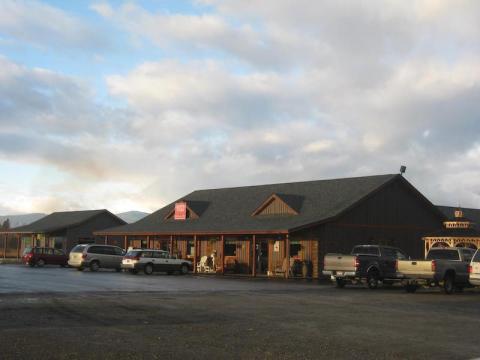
[59, 220]
[230, 209]
[471, 214]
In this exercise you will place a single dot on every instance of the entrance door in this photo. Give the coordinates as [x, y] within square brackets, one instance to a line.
[262, 257]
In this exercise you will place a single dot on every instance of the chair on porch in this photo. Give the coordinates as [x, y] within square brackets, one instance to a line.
[203, 265]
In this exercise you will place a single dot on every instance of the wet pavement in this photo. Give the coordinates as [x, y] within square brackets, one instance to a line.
[24, 279]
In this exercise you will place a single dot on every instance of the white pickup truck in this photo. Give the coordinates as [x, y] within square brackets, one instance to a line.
[446, 267]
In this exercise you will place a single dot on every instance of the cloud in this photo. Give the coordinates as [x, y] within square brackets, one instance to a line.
[46, 26]
[258, 92]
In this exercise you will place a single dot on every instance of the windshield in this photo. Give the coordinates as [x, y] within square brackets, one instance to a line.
[78, 249]
[133, 253]
[27, 250]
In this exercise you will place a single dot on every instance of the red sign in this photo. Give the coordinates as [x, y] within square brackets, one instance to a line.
[180, 211]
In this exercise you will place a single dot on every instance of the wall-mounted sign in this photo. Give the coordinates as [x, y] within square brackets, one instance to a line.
[180, 211]
[276, 246]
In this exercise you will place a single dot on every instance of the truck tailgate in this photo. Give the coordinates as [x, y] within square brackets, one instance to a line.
[338, 262]
[422, 268]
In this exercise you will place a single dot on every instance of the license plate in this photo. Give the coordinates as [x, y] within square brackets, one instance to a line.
[340, 273]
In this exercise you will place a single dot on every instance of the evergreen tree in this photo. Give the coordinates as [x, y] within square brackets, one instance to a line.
[6, 224]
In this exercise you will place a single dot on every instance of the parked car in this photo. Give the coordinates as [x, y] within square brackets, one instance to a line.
[41, 256]
[446, 267]
[474, 270]
[95, 256]
[148, 261]
[373, 263]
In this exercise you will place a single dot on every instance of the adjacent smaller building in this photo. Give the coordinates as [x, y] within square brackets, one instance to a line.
[59, 230]
[458, 231]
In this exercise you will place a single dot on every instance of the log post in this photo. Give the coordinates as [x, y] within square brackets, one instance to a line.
[149, 246]
[5, 246]
[287, 255]
[254, 253]
[222, 240]
[18, 246]
[195, 245]
[125, 241]
[171, 244]
[106, 239]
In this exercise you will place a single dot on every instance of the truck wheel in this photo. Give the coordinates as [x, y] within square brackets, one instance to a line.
[372, 279]
[184, 269]
[40, 263]
[340, 283]
[411, 288]
[449, 284]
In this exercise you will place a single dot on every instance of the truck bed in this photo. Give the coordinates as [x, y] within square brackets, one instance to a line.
[340, 262]
[416, 268]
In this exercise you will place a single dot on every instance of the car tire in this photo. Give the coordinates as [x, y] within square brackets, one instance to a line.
[133, 271]
[94, 266]
[449, 284]
[184, 269]
[411, 288]
[148, 269]
[340, 283]
[31, 264]
[372, 279]
[40, 263]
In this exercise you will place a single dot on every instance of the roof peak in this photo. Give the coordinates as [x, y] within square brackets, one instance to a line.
[299, 182]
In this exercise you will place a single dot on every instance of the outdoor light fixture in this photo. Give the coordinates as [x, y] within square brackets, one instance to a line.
[403, 168]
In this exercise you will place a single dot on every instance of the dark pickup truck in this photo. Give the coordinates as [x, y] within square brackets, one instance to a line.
[373, 263]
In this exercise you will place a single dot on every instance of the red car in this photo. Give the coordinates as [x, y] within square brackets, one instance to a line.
[44, 256]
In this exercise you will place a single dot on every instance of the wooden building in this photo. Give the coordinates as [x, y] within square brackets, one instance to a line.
[60, 230]
[285, 229]
[457, 231]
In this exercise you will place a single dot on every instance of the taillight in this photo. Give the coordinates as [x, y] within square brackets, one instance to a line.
[84, 256]
[396, 265]
[470, 269]
[434, 265]
[356, 263]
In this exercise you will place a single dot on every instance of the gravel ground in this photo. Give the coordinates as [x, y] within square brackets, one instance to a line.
[237, 319]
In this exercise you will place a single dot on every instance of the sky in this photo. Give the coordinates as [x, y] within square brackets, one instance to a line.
[131, 105]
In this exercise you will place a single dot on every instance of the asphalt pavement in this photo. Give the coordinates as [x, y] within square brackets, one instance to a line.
[53, 313]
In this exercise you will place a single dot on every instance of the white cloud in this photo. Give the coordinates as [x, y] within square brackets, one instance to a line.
[46, 26]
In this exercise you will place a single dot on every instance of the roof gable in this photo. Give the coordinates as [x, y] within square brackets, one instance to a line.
[275, 205]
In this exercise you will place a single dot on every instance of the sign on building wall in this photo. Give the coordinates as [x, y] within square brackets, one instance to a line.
[180, 211]
[276, 246]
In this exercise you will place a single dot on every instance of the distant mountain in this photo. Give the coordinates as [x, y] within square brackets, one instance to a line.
[20, 220]
[132, 216]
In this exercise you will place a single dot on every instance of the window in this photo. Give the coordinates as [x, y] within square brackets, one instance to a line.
[58, 252]
[467, 254]
[230, 249]
[365, 250]
[389, 252]
[119, 251]
[400, 255]
[146, 254]
[78, 249]
[443, 254]
[48, 251]
[295, 248]
[96, 250]
[476, 258]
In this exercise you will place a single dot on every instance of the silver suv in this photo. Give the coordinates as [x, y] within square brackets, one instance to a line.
[154, 260]
[95, 256]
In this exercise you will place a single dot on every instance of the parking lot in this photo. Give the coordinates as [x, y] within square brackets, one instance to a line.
[53, 313]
